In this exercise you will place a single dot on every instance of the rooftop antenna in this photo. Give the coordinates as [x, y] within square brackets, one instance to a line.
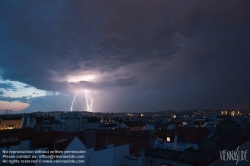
[7, 111]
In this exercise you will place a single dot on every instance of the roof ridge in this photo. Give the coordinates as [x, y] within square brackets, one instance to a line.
[221, 145]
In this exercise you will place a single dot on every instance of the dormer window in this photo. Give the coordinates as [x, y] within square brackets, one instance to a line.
[168, 139]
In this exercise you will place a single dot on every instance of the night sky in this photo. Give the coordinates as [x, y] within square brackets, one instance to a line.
[131, 56]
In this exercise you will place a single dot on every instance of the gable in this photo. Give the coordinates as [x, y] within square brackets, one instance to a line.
[76, 144]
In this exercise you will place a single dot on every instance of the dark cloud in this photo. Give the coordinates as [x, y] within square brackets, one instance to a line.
[52, 103]
[100, 35]
[122, 82]
[25, 99]
[8, 86]
[177, 48]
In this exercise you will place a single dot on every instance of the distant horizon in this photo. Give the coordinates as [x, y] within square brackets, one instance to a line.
[233, 109]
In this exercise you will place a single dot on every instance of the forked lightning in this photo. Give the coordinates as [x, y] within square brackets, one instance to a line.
[72, 103]
[89, 101]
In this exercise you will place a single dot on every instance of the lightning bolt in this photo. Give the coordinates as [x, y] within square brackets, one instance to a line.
[72, 103]
[89, 101]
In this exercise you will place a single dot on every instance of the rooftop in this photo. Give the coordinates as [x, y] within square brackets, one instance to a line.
[22, 134]
[43, 139]
[136, 143]
[162, 153]
[134, 123]
[9, 141]
[209, 148]
[42, 119]
[193, 135]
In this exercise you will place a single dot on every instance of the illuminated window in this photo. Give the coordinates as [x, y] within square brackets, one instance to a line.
[168, 139]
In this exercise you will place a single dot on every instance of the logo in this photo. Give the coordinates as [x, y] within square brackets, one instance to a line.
[233, 155]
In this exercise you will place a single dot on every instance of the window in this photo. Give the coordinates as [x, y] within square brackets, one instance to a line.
[168, 139]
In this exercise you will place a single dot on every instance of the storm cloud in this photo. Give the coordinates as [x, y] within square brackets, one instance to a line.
[175, 54]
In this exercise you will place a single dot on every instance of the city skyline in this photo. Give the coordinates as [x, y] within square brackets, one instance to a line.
[139, 56]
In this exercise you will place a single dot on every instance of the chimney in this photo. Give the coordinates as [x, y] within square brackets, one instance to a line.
[80, 122]
[152, 139]
[90, 138]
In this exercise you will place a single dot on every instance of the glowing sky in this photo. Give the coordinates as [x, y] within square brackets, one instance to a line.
[137, 55]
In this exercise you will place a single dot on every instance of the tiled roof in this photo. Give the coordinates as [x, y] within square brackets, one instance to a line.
[9, 141]
[193, 135]
[134, 156]
[108, 125]
[80, 135]
[22, 134]
[134, 123]
[42, 119]
[162, 153]
[93, 119]
[88, 137]
[137, 143]
[236, 139]
[45, 139]
[100, 148]
[128, 132]
[115, 131]
[227, 144]
[142, 133]
[59, 145]
[12, 117]
[208, 150]
[165, 134]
